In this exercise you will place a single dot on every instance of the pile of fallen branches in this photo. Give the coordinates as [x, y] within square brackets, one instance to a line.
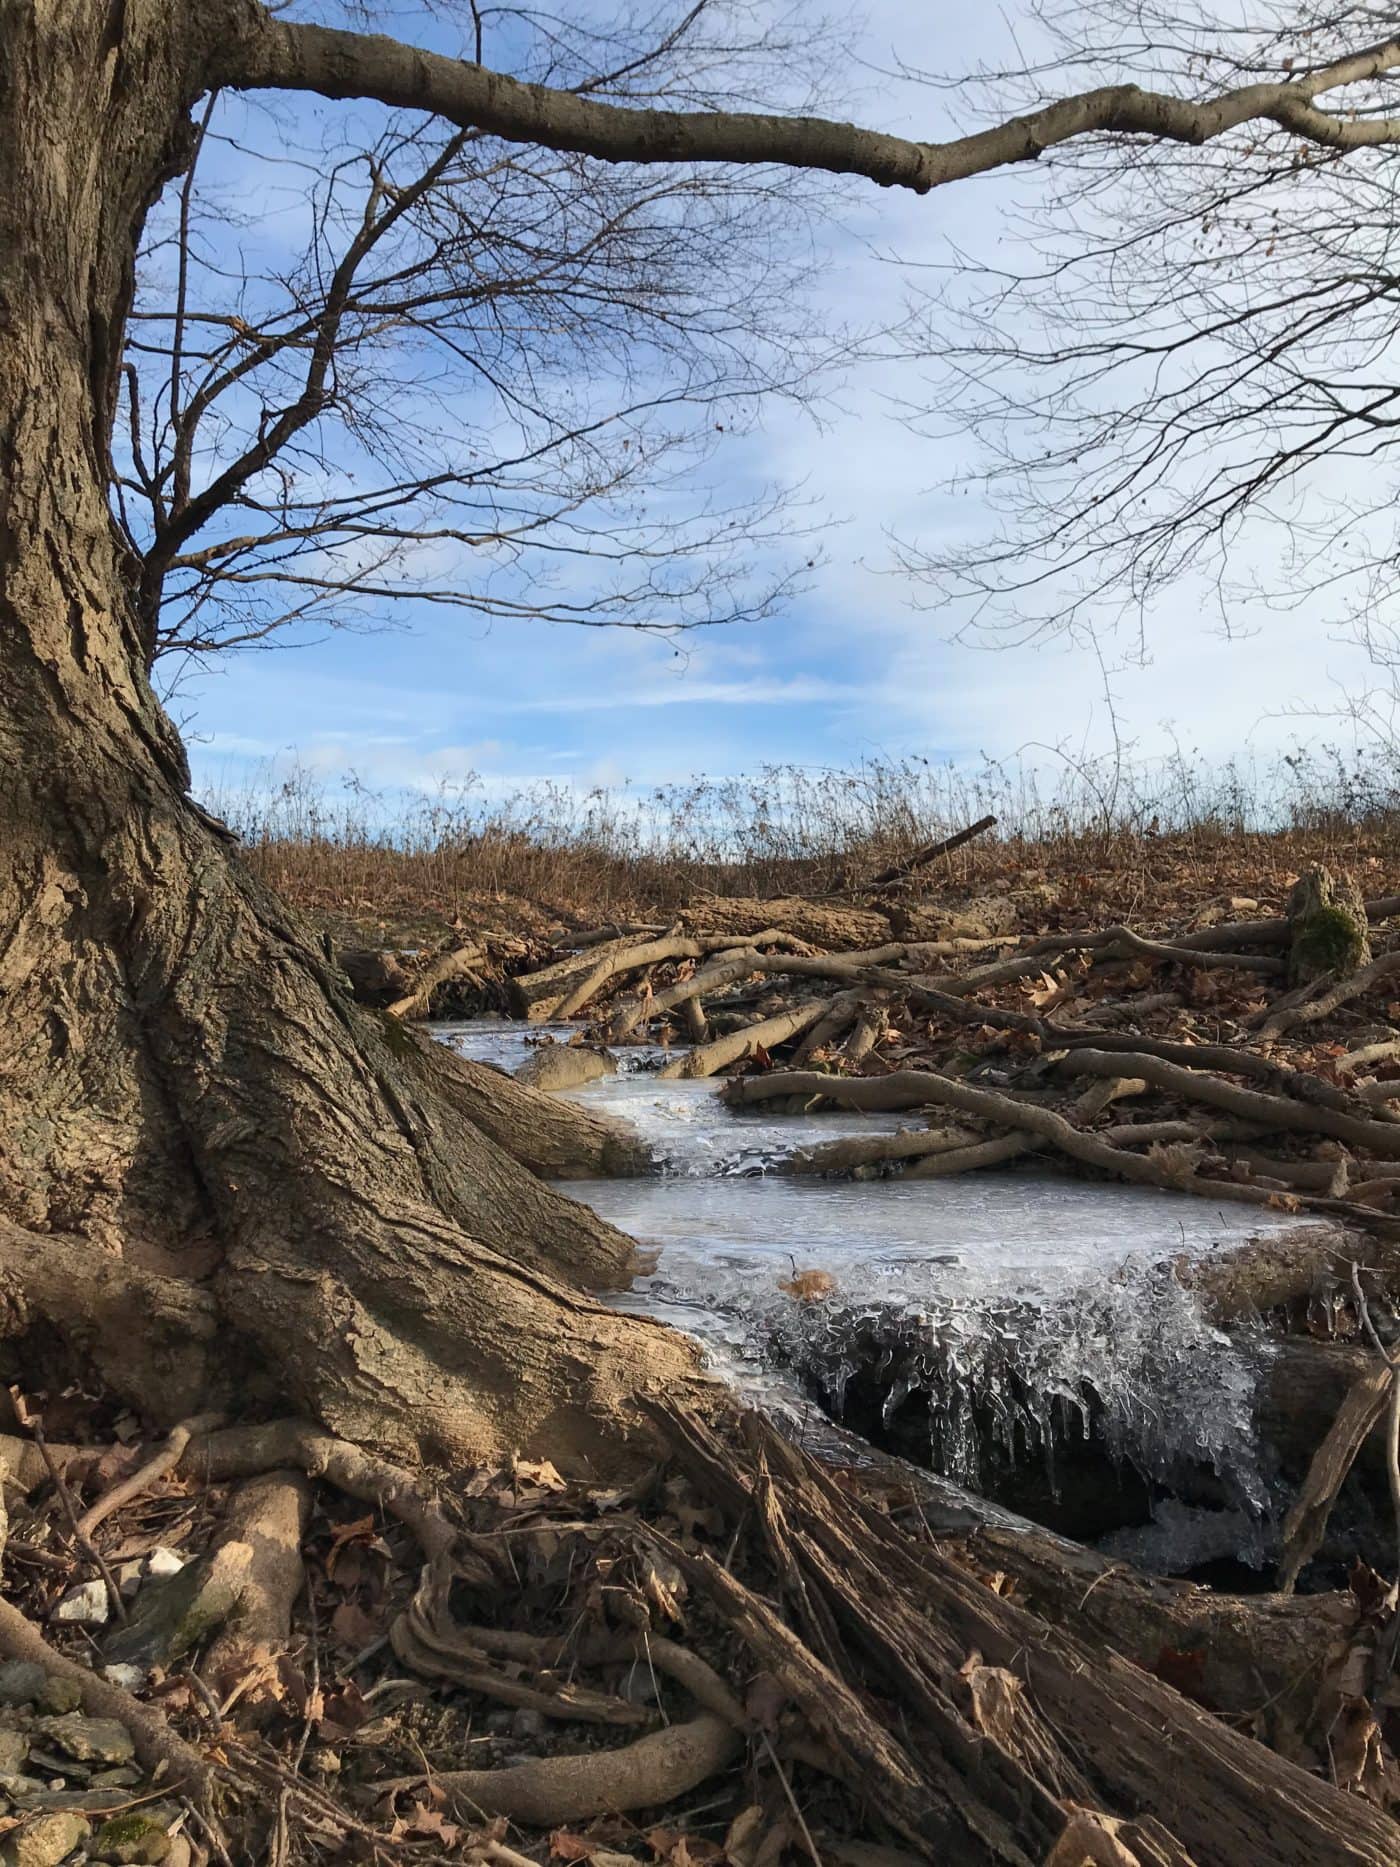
[1220, 1059]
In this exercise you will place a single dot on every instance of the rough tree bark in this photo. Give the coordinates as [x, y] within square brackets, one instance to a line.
[187, 1083]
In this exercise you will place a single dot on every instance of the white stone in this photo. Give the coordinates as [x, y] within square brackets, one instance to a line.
[162, 1562]
[88, 1605]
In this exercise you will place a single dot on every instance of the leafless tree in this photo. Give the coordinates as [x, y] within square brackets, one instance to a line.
[394, 358]
[1190, 383]
[222, 1183]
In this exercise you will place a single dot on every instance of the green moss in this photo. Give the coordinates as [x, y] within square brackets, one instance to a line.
[136, 1837]
[1328, 940]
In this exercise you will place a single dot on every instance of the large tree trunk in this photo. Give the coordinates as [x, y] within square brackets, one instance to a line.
[187, 1083]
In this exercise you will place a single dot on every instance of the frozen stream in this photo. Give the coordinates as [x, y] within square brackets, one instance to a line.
[1018, 1306]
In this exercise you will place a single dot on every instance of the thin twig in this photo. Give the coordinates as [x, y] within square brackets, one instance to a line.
[792, 1799]
[84, 1542]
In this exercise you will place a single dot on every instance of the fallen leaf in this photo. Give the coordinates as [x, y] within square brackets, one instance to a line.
[809, 1286]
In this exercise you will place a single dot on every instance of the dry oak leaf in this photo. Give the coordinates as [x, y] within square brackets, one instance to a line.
[809, 1286]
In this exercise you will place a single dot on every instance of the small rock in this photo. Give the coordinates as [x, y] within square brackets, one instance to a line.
[162, 1562]
[14, 1748]
[498, 1721]
[87, 1605]
[21, 1682]
[124, 1778]
[61, 1767]
[44, 1840]
[19, 1788]
[84, 1801]
[131, 1837]
[89, 1740]
[528, 1723]
[60, 1694]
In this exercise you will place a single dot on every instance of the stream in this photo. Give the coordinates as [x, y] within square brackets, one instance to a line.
[1016, 1333]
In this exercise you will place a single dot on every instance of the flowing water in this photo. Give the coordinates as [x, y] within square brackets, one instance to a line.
[986, 1324]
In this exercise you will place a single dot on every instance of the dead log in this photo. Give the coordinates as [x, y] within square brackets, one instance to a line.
[996, 1757]
[1278, 1271]
[820, 925]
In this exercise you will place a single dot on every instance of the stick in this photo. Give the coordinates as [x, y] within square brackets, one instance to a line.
[1339, 994]
[930, 851]
[151, 1472]
[729, 1049]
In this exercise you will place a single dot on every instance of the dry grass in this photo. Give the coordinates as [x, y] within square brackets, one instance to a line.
[551, 855]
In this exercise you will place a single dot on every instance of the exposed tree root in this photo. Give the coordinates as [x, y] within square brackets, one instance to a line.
[647, 1774]
[249, 1451]
[151, 1472]
[257, 1558]
[157, 1341]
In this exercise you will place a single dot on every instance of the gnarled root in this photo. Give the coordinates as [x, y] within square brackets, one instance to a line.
[643, 1775]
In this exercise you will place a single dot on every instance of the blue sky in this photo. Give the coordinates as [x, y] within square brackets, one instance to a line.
[851, 668]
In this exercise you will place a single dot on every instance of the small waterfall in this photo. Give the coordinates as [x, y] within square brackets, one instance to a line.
[1126, 1363]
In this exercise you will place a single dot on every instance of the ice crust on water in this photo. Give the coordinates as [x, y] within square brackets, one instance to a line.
[1030, 1308]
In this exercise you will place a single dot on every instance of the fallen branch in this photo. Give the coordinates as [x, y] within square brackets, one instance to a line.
[721, 1051]
[994, 1153]
[1272, 1111]
[924, 1088]
[1289, 1017]
[930, 852]
[1306, 1523]
[442, 971]
[1123, 942]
